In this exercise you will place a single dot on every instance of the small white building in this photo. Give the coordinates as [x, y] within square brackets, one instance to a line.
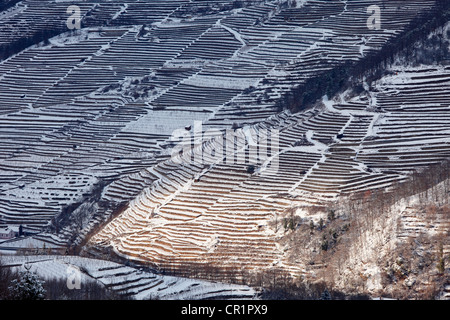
[6, 233]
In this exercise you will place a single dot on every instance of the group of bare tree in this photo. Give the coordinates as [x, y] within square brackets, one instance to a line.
[427, 193]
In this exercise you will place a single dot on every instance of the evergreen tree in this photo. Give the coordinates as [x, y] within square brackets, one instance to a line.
[311, 226]
[325, 295]
[320, 224]
[331, 215]
[27, 287]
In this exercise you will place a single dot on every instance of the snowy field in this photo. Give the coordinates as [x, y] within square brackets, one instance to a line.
[138, 284]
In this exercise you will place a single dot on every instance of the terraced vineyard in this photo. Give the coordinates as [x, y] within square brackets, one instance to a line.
[224, 218]
[87, 123]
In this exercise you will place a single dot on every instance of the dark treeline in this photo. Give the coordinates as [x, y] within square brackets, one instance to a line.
[274, 284]
[90, 19]
[106, 212]
[7, 50]
[36, 36]
[6, 4]
[349, 74]
[76, 220]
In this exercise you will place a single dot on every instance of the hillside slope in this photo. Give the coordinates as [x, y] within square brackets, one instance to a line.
[92, 106]
[111, 135]
[227, 218]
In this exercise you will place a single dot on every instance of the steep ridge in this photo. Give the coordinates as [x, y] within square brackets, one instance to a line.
[225, 219]
[96, 106]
